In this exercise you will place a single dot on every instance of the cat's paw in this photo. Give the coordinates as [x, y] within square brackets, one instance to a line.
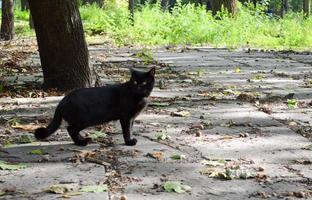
[131, 142]
[83, 142]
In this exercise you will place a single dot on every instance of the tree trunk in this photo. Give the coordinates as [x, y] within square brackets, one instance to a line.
[24, 5]
[62, 46]
[284, 8]
[7, 21]
[306, 7]
[208, 5]
[163, 4]
[171, 5]
[229, 5]
[131, 9]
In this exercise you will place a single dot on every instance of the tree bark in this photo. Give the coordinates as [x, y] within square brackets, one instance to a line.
[171, 5]
[306, 7]
[131, 10]
[62, 46]
[163, 4]
[7, 20]
[208, 5]
[229, 5]
[284, 8]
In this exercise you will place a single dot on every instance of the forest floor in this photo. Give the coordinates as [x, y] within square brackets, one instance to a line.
[230, 124]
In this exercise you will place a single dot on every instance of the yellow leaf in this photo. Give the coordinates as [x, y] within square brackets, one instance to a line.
[25, 127]
[181, 114]
[237, 70]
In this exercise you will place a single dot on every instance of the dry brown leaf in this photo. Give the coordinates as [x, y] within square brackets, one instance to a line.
[181, 114]
[25, 127]
[227, 137]
[157, 155]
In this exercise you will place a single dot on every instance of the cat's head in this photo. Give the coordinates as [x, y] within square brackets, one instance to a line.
[142, 82]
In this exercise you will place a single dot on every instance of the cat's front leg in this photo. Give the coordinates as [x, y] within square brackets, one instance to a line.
[126, 125]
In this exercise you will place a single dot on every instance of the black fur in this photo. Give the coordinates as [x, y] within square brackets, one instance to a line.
[87, 107]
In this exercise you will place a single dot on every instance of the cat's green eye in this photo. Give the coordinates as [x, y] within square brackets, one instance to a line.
[135, 83]
[144, 83]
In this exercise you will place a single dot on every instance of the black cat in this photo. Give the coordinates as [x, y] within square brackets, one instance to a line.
[92, 106]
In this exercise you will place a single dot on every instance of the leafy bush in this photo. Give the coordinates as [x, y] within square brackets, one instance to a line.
[192, 25]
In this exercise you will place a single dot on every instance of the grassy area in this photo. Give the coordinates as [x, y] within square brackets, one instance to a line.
[190, 25]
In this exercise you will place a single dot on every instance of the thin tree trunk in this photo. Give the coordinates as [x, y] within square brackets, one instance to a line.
[171, 5]
[7, 21]
[163, 4]
[306, 7]
[131, 9]
[286, 6]
[62, 46]
[208, 5]
[282, 9]
[230, 5]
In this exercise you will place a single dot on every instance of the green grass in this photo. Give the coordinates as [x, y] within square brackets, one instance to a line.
[190, 25]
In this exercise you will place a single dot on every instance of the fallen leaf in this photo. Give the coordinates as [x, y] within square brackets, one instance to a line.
[178, 157]
[213, 163]
[9, 166]
[229, 91]
[237, 70]
[309, 147]
[180, 114]
[157, 155]
[229, 124]
[197, 126]
[266, 108]
[292, 123]
[162, 136]
[94, 188]
[175, 186]
[247, 97]
[227, 137]
[158, 104]
[36, 152]
[259, 77]
[25, 127]
[243, 135]
[97, 134]
[292, 103]
[62, 188]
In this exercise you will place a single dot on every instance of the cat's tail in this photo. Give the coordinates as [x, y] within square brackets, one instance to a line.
[42, 133]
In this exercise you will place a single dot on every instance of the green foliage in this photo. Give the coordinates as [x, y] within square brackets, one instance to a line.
[192, 25]
[21, 15]
[36, 152]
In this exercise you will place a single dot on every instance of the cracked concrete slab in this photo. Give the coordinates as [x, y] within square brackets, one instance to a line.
[232, 130]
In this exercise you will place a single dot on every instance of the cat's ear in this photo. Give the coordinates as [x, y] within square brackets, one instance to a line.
[152, 71]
